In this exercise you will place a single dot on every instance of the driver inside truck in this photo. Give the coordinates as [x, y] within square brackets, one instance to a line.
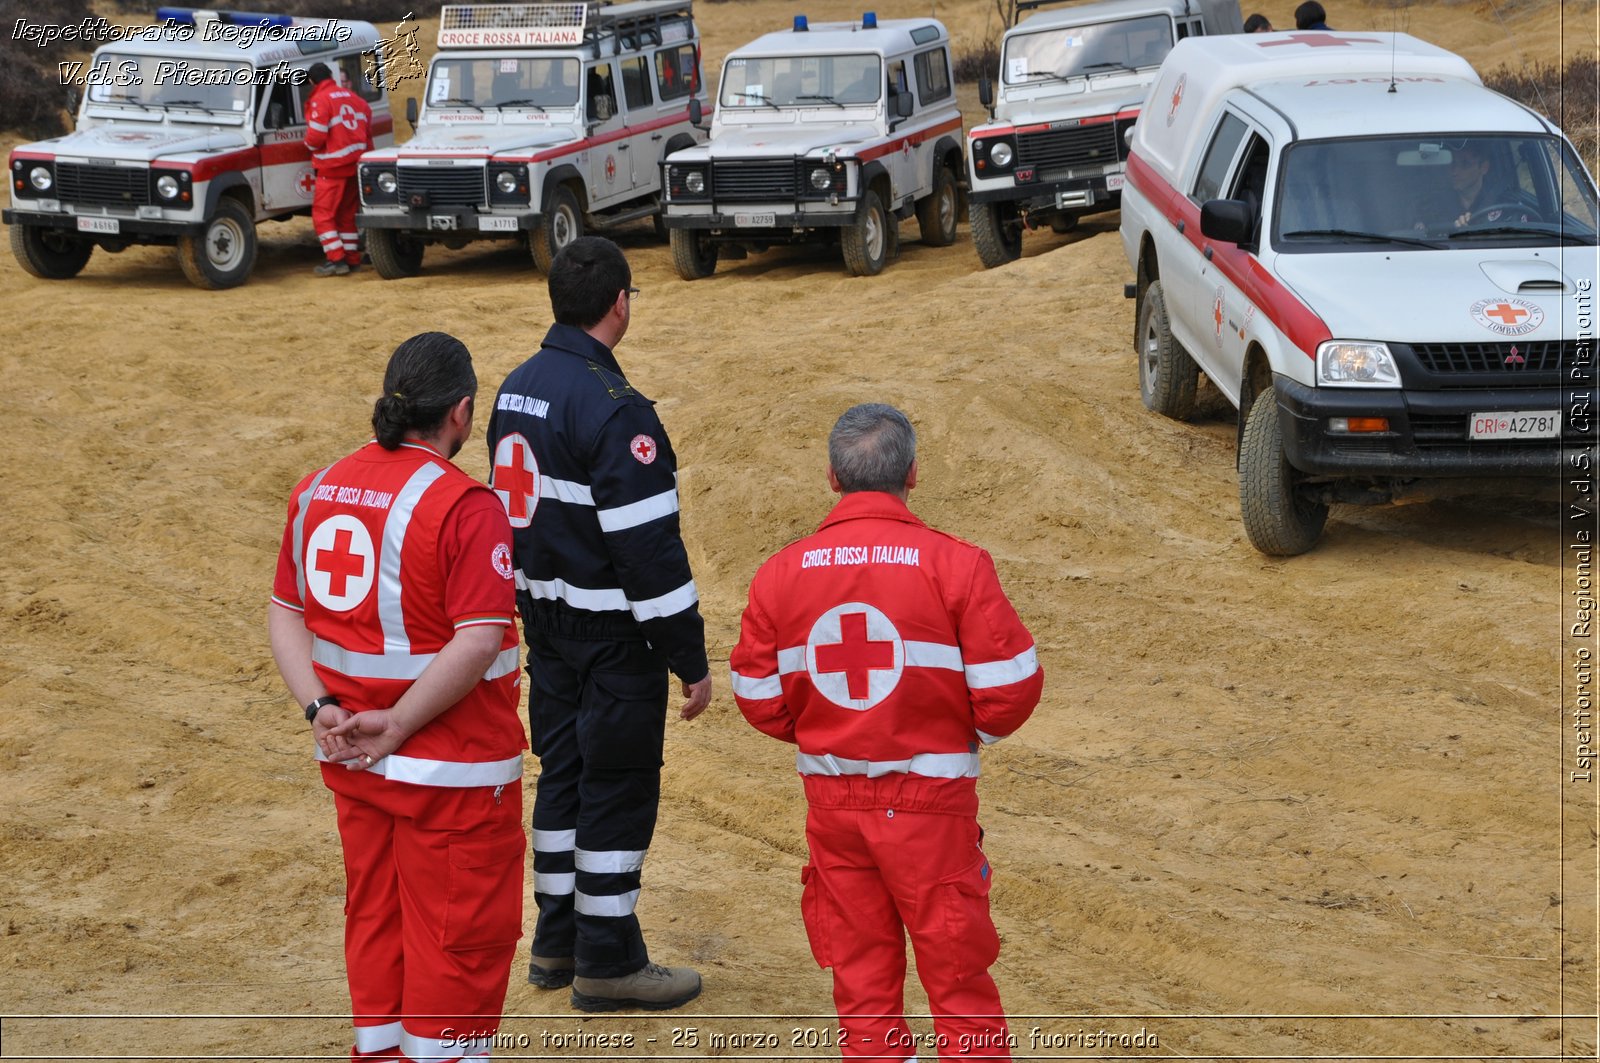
[1473, 196]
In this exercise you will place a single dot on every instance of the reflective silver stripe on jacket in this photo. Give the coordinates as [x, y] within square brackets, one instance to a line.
[928, 765]
[453, 773]
[399, 666]
[389, 574]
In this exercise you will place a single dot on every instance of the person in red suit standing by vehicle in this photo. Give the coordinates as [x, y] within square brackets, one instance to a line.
[338, 130]
[392, 624]
[888, 653]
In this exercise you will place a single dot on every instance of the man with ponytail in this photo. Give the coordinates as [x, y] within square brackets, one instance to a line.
[392, 624]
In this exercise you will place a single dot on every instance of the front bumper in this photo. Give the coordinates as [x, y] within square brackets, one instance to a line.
[447, 222]
[1428, 434]
[785, 221]
[143, 230]
[1083, 195]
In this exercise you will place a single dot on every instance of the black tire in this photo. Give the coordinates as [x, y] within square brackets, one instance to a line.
[1279, 517]
[50, 254]
[1063, 223]
[938, 214]
[869, 243]
[693, 255]
[1168, 377]
[394, 254]
[223, 253]
[996, 233]
[659, 220]
[562, 224]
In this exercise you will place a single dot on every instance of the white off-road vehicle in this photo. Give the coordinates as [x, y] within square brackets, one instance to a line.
[831, 132]
[189, 133]
[1071, 82]
[1386, 267]
[539, 122]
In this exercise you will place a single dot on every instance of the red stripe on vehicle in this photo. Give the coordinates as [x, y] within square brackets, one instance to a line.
[595, 142]
[913, 139]
[1292, 317]
[206, 169]
[1045, 127]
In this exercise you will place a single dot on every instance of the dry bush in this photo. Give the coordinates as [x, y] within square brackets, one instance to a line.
[1567, 95]
[975, 62]
[32, 98]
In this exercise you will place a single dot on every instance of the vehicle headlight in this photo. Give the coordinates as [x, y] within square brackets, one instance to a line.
[167, 186]
[41, 178]
[387, 182]
[1001, 154]
[506, 181]
[695, 182]
[821, 179]
[1341, 363]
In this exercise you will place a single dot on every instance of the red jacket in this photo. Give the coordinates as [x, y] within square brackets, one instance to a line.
[885, 650]
[338, 129]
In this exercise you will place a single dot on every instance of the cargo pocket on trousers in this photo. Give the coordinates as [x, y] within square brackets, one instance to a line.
[484, 905]
[814, 911]
[964, 900]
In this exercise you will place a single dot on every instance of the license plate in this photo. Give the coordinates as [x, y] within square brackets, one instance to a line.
[99, 225]
[1114, 182]
[1515, 424]
[441, 221]
[755, 221]
[497, 225]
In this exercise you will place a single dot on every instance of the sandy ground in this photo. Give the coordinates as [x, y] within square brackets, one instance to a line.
[1267, 809]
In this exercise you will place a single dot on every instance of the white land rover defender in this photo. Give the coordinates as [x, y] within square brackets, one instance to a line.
[189, 133]
[832, 132]
[1388, 269]
[539, 121]
[1071, 83]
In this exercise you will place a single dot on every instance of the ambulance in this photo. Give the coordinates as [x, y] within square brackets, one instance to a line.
[1386, 267]
[1071, 82]
[829, 133]
[539, 122]
[189, 133]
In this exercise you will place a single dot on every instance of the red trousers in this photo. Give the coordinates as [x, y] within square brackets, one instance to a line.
[333, 215]
[433, 911]
[876, 874]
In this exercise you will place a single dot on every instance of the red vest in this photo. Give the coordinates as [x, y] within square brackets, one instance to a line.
[338, 129]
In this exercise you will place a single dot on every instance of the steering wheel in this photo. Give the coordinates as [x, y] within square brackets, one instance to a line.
[1508, 211]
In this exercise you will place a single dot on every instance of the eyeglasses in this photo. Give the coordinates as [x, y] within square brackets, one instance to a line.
[633, 293]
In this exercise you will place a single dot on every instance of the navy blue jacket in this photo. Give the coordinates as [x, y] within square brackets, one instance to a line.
[590, 482]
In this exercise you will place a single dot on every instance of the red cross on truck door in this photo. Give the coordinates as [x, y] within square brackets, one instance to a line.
[515, 478]
[340, 563]
[855, 656]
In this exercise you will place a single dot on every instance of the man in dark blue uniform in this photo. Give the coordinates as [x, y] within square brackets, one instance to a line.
[608, 604]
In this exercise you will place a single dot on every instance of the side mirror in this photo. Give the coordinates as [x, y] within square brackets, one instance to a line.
[275, 116]
[72, 99]
[1228, 220]
[411, 112]
[985, 91]
[697, 113]
[605, 108]
[903, 104]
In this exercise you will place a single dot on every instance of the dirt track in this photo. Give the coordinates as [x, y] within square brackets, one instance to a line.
[1267, 808]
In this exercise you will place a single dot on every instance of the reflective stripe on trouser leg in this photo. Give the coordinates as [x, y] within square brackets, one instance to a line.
[349, 202]
[328, 206]
[372, 943]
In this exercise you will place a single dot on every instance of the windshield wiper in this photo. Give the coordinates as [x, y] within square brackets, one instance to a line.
[519, 103]
[195, 104]
[458, 99]
[1523, 230]
[1063, 78]
[824, 99]
[758, 96]
[1356, 234]
[1119, 66]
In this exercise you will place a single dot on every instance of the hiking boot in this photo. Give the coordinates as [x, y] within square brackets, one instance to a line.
[550, 972]
[331, 269]
[652, 987]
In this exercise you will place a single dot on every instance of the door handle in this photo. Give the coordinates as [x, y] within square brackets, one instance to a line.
[1207, 253]
[622, 147]
[655, 136]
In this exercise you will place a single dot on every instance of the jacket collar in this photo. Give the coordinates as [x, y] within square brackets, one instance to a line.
[870, 505]
[570, 340]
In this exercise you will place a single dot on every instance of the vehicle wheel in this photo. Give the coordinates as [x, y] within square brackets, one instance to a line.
[1280, 518]
[562, 224]
[996, 233]
[394, 254]
[659, 220]
[1167, 375]
[224, 252]
[50, 254]
[939, 212]
[694, 255]
[867, 243]
[1063, 223]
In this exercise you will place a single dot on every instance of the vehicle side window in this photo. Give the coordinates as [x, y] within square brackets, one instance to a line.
[1250, 180]
[676, 74]
[897, 81]
[599, 84]
[636, 82]
[353, 75]
[1218, 161]
[283, 107]
[933, 75]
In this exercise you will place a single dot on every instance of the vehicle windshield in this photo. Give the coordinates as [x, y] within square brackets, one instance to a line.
[1434, 191]
[1079, 51]
[801, 80]
[176, 85]
[539, 82]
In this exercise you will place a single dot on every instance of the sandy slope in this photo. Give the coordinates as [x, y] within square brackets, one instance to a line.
[1267, 808]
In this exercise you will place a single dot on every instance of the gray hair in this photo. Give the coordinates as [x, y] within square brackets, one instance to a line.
[871, 448]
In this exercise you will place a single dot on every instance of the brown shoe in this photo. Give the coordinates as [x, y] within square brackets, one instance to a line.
[652, 987]
[550, 972]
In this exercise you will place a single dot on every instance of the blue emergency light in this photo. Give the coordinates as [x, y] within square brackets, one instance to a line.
[869, 20]
[800, 24]
[186, 16]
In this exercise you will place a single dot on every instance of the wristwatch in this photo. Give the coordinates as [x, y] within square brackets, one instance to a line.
[316, 706]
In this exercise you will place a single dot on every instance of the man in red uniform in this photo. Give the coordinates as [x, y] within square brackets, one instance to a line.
[338, 130]
[888, 653]
[392, 624]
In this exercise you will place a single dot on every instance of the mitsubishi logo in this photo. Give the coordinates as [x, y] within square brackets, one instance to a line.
[1515, 358]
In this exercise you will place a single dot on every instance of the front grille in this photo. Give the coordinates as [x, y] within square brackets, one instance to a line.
[1535, 357]
[446, 186]
[1065, 149]
[756, 182]
[107, 186]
